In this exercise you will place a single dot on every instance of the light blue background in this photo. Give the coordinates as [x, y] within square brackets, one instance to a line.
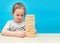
[47, 13]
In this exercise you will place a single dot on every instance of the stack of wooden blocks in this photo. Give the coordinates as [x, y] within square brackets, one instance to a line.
[30, 26]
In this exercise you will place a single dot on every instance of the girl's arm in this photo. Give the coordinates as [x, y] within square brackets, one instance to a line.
[5, 32]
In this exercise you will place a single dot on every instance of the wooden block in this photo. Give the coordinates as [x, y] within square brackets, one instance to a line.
[30, 26]
[30, 22]
[30, 16]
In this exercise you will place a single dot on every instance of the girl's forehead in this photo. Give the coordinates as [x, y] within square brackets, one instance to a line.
[19, 10]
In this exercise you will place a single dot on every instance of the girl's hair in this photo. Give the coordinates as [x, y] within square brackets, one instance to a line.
[17, 6]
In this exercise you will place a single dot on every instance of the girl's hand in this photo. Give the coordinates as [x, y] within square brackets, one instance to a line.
[20, 34]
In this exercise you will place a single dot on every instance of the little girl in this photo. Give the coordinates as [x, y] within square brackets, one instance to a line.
[16, 27]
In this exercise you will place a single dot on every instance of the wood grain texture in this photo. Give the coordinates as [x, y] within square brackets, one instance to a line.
[30, 26]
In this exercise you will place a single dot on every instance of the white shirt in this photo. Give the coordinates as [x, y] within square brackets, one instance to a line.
[14, 26]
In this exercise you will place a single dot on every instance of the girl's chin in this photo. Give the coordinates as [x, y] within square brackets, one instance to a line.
[18, 21]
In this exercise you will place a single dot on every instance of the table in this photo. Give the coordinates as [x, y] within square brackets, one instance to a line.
[40, 38]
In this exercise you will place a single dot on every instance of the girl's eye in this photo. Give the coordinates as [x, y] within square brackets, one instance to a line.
[17, 14]
[21, 15]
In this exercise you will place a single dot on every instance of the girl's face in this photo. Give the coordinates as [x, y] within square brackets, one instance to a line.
[19, 15]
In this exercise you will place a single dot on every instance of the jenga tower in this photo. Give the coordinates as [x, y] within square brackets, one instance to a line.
[30, 26]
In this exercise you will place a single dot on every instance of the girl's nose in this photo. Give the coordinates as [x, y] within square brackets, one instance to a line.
[19, 17]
